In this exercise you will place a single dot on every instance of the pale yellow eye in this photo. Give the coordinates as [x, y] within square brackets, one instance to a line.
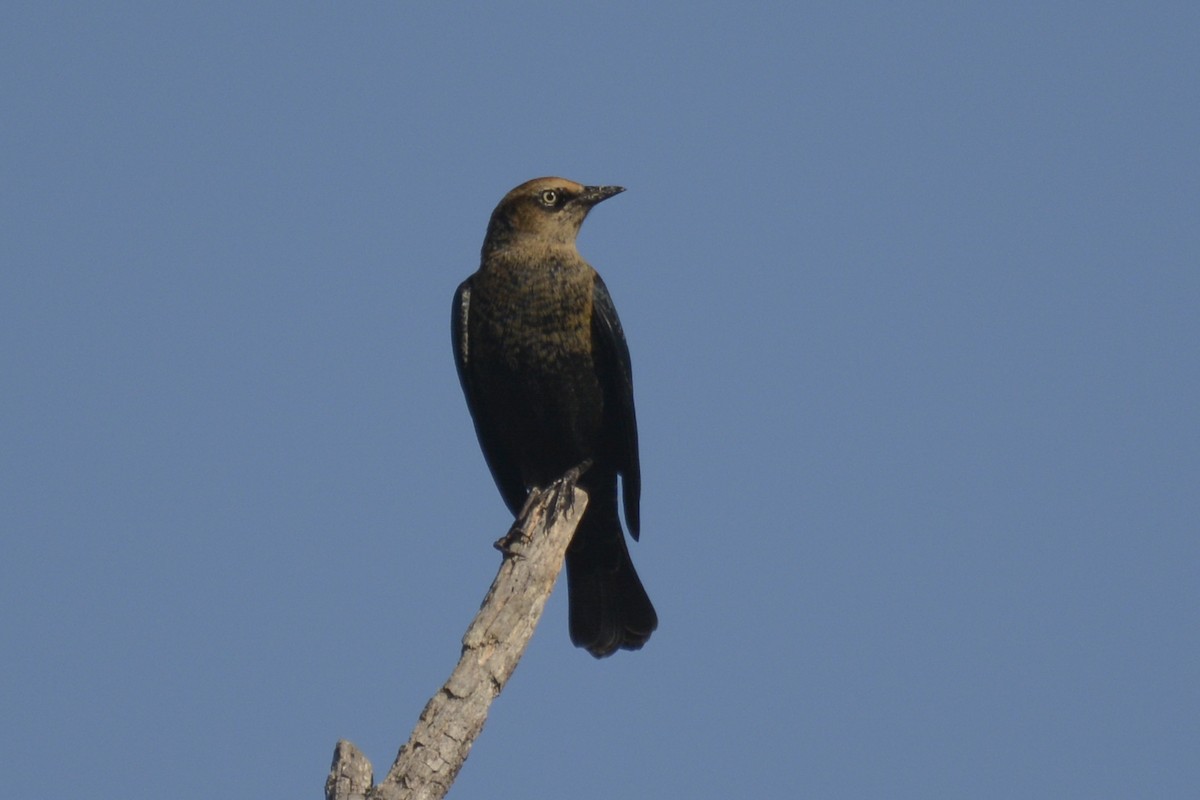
[549, 197]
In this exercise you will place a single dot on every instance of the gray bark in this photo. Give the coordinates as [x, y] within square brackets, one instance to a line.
[428, 763]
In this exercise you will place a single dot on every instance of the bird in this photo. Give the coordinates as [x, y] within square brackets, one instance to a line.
[546, 374]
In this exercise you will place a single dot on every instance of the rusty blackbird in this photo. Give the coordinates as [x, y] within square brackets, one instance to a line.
[545, 369]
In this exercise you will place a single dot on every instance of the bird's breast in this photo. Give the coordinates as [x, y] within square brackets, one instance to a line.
[532, 316]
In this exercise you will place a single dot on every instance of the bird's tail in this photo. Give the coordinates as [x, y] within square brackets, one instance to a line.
[609, 608]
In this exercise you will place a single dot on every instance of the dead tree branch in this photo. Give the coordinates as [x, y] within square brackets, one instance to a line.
[428, 763]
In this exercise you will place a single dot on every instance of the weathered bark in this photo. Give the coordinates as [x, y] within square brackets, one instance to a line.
[428, 763]
[350, 776]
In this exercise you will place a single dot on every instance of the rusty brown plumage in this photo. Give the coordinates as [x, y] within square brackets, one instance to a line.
[545, 369]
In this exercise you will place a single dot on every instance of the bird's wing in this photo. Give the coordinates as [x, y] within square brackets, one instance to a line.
[616, 374]
[503, 467]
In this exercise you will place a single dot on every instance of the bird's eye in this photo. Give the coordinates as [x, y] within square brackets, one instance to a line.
[549, 197]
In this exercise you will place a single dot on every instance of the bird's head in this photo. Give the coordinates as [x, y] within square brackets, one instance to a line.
[548, 211]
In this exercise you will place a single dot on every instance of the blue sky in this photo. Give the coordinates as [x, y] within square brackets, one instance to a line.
[911, 293]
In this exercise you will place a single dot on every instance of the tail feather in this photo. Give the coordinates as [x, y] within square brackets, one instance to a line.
[610, 609]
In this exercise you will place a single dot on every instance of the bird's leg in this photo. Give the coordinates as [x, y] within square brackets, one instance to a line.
[516, 533]
[564, 488]
[564, 502]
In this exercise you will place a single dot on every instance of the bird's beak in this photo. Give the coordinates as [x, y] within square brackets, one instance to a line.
[595, 194]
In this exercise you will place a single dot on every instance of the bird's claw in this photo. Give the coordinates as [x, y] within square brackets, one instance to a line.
[563, 503]
[507, 543]
[564, 489]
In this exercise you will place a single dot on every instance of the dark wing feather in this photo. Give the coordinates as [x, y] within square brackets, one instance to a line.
[616, 376]
[502, 465]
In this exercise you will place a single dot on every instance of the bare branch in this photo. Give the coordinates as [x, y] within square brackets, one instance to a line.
[492, 646]
[350, 776]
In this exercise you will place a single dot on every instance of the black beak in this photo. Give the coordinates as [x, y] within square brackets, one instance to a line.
[595, 194]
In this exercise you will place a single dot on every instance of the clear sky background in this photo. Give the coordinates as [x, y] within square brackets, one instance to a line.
[911, 292]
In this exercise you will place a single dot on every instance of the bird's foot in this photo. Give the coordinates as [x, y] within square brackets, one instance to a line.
[508, 543]
[564, 489]
[562, 503]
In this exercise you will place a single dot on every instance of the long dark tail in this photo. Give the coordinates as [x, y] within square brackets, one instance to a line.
[609, 608]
